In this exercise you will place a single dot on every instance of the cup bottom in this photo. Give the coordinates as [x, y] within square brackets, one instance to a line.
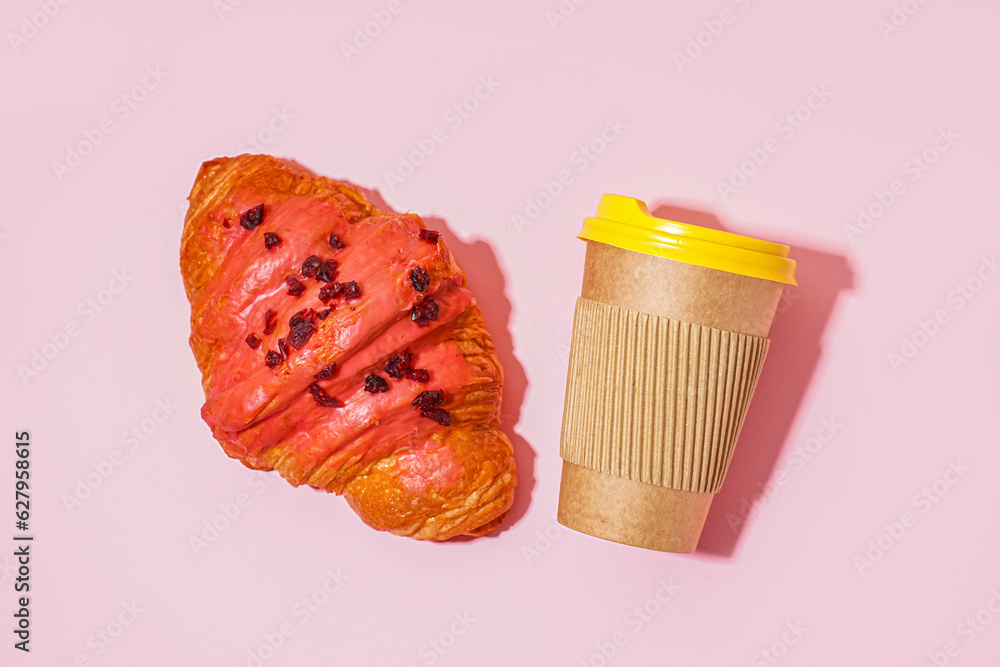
[622, 510]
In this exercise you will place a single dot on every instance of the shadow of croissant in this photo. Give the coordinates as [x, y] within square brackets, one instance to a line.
[794, 354]
[487, 283]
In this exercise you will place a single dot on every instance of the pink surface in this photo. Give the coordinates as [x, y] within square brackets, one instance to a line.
[859, 523]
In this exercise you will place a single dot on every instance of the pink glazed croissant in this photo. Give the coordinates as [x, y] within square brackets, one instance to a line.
[339, 345]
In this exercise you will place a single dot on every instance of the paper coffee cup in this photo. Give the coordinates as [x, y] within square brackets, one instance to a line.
[669, 337]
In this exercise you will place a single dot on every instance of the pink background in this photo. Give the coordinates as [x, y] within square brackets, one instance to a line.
[843, 438]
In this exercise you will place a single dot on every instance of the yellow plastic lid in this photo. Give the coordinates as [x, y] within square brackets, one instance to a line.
[625, 222]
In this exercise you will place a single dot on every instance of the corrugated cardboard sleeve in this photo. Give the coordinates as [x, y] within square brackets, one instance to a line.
[656, 400]
[664, 359]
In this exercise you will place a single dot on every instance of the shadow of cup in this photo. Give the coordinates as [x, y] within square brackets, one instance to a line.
[796, 337]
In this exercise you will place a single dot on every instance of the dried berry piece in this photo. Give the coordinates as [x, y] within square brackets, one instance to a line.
[399, 365]
[351, 290]
[271, 240]
[253, 341]
[301, 333]
[419, 279]
[273, 359]
[284, 348]
[325, 313]
[418, 375]
[326, 401]
[270, 322]
[331, 291]
[335, 242]
[252, 217]
[429, 308]
[424, 311]
[311, 266]
[327, 372]
[327, 273]
[304, 315]
[428, 399]
[437, 415]
[295, 286]
[323, 399]
[429, 235]
[375, 384]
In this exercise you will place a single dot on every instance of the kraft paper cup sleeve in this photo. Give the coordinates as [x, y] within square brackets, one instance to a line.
[658, 386]
[656, 400]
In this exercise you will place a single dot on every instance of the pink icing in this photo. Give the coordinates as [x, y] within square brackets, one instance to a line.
[251, 407]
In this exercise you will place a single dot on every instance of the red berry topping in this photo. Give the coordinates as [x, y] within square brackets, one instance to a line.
[418, 375]
[301, 335]
[437, 415]
[424, 311]
[428, 399]
[351, 290]
[304, 315]
[375, 384]
[323, 399]
[273, 359]
[271, 240]
[327, 273]
[419, 279]
[270, 322]
[399, 365]
[302, 328]
[327, 372]
[295, 286]
[311, 266]
[335, 242]
[331, 291]
[253, 341]
[429, 235]
[252, 217]
[325, 313]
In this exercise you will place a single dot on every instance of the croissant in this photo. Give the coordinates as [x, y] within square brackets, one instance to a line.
[339, 345]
